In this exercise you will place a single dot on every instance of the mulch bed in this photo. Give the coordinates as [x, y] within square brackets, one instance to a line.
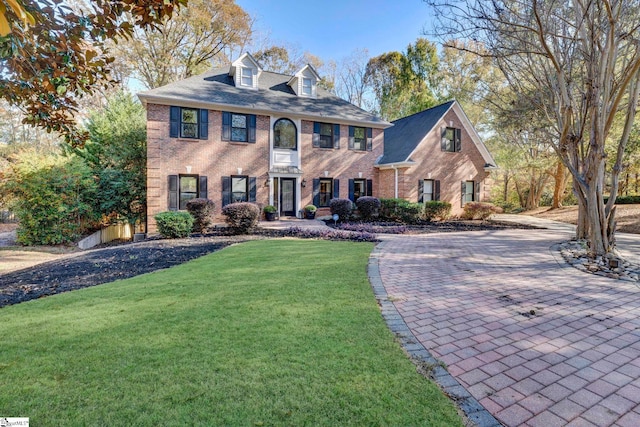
[105, 265]
[121, 261]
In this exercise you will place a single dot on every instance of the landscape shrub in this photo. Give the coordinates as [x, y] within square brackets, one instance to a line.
[368, 207]
[341, 207]
[480, 210]
[202, 212]
[625, 200]
[400, 210]
[305, 233]
[241, 217]
[52, 197]
[372, 228]
[436, 210]
[173, 224]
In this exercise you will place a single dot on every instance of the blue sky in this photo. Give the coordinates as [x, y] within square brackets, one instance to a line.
[332, 29]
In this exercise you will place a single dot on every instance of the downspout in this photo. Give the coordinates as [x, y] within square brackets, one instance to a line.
[395, 171]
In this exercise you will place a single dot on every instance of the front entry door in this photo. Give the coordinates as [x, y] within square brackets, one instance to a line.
[287, 196]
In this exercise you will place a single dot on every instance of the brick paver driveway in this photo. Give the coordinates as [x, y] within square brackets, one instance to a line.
[535, 341]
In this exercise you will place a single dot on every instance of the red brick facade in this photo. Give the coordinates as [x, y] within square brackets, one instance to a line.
[450, 168]
[215, 158]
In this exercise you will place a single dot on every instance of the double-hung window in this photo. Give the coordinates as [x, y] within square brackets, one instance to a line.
[307, 86]
[246, 76]
[326, 135]
[427, 190]
[326, 191]
[359, 139]
[451, 140]
[468, 192]
[191, 123]
[239, 189]
[239, 127]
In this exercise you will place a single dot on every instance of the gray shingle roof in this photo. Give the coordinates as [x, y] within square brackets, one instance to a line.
[403, 137]
[216, 88]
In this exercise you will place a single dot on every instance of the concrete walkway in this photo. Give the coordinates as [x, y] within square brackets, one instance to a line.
[536, 342]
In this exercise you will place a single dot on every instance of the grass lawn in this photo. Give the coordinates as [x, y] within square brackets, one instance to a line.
[273, 332]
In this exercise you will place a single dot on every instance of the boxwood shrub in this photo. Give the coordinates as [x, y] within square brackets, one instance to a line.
[436, 210]
[241, 217]
[174, 224]
[400, 210]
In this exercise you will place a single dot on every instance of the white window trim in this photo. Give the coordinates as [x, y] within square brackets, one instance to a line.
[249, 75]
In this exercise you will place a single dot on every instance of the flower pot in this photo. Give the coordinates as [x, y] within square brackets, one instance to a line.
[309, 215]
[270, 216]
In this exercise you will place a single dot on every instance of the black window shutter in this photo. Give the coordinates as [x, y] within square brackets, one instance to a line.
[443, 139]
[226, 190]
[476, 196]
[173, 192]
[174, 122]
[369, 139]
[458, 137]
[316, 134]
[351, 189]
[252, 189]
[336, 188]
[226, 126]
[436, 190]
[351, 141]
[202, 187]
[463, 189]
[336, 136]
[420, 190]
[316, 191]
[204, 124]
[369, 187]
[252, 127]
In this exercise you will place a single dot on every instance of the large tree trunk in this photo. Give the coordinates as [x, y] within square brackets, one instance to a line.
[560, 185]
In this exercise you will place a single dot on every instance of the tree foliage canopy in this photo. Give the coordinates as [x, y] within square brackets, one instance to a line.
[54, 54]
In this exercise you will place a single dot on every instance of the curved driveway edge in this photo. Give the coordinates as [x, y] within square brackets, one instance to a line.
[533, 340]
[419, 355]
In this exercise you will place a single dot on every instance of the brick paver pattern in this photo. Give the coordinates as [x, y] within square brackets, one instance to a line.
[536, 342]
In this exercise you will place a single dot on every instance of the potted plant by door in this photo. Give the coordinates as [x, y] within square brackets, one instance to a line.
[310, 212]
[269, 212]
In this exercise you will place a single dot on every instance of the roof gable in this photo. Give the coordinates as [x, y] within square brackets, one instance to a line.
[297, 81]
[403, 139]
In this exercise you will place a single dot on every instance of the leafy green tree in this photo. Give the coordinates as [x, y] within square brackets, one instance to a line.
[52, 197]
[116, 154]
[404, 82]
[185, 45]
[52, 55]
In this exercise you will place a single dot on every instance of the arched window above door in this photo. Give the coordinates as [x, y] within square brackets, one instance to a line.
[285, 134]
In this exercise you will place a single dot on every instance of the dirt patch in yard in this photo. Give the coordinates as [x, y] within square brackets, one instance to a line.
[627, 216]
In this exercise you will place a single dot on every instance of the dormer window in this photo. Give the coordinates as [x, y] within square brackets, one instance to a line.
[307, 86]
[246, 76]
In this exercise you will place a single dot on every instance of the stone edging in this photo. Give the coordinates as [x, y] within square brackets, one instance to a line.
[574, 253]
[426, 364]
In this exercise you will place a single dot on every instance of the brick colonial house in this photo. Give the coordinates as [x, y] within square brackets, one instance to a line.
[245, 134]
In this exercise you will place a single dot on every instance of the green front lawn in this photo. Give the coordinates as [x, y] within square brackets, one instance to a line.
[276, 332]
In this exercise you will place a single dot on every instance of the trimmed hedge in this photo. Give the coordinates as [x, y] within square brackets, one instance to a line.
[480, 210]
[342, 207]
[172, 224]
[625, 200]
[202, 212]
[436, 210]
[400, 210]
[368, 207]
[241, 217]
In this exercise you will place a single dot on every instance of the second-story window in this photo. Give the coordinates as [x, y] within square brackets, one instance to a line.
[189, 123]
[239, 127]
[359, 139]
[451, 140]
[307, 86]
[285, 134]
[246, 76]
